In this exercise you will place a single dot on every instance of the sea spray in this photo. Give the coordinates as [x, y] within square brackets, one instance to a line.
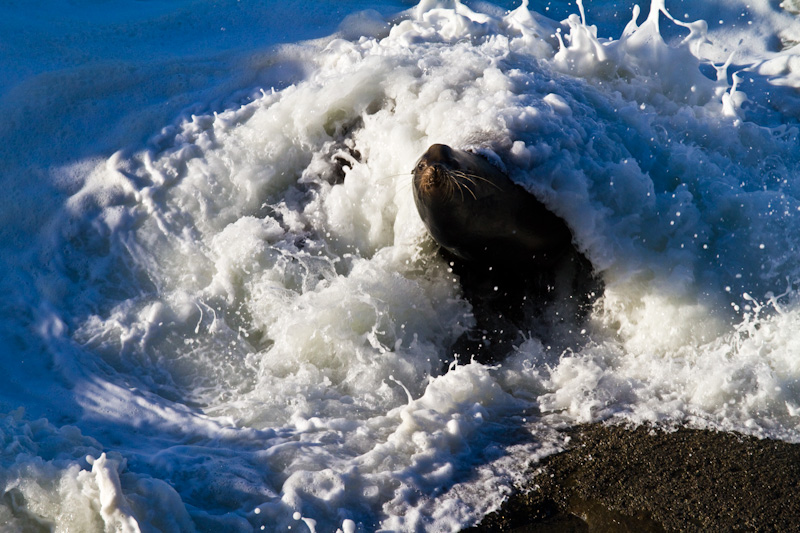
[249, 327]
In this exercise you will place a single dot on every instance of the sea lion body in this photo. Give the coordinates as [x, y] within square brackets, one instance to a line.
[473, 210]
[514, 258]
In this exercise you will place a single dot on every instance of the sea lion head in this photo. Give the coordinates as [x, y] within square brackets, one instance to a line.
[445, 175]
[474, 210]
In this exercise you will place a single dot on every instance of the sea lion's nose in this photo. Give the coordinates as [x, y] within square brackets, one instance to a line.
[439, 152]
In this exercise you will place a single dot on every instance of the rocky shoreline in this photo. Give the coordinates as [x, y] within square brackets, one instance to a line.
[618, 479]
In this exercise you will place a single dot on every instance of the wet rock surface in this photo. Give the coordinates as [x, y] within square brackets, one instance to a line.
[613, 478]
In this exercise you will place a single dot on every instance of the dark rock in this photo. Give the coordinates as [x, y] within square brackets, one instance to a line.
[613, 478]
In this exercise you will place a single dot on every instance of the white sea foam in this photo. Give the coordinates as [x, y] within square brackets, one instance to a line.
[241, 323]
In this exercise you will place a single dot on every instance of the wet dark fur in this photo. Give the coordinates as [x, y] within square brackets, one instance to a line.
[477, 213]
[516, 261]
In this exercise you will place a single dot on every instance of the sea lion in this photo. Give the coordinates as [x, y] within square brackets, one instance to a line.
[515, 259]
[472, 209]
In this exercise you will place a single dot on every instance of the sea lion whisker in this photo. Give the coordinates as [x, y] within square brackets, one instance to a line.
[453, 176]
[468, 189]
[460, 190]
[461, 187]
[475, 176]
[452, 183]
[466, 177]
[469, 179]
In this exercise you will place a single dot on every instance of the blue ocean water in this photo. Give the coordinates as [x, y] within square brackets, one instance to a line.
[202, 329]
